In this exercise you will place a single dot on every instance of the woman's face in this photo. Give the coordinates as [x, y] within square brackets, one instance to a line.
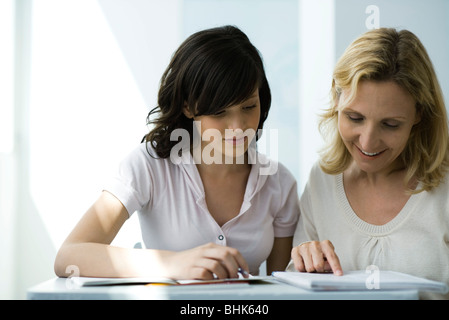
[230, 130]
[376, 125]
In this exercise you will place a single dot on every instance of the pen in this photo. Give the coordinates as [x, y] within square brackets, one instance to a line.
[243, 272]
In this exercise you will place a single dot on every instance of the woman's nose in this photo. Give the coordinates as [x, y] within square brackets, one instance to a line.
[235, 122]
[369, 138]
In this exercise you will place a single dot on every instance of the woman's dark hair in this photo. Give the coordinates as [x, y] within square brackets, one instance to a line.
[211, 70]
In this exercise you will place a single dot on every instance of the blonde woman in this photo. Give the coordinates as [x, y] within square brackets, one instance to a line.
[380, 194]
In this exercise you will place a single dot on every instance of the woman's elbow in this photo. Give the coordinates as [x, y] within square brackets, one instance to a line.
[61, 266]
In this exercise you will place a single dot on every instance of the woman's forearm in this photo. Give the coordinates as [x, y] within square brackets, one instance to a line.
[101, 260]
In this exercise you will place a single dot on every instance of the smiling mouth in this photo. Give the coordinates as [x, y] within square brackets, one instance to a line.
[370, 154]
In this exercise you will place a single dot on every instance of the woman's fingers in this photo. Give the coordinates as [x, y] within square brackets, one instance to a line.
[331, 257]
[213, 261]
[298, 260]
[209, 269]
[230, 259]
[315, 256]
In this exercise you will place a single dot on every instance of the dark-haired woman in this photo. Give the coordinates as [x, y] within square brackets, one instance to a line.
[208, 204]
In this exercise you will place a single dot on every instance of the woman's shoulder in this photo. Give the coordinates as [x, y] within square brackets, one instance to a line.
[274, 170]
[144, 157]
[320, 182]
[441, 191]
[143, 150]
[317, 174]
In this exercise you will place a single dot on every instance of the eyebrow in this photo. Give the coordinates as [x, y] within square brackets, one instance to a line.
[349, 110]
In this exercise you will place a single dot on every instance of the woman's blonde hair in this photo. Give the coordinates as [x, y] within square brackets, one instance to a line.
[389, 55]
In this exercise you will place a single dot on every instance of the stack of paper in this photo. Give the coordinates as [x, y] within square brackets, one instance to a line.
[360, 280]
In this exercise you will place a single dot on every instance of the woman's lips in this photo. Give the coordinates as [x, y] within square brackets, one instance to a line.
[236, 140]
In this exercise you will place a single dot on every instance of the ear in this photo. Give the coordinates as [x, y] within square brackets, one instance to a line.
[186, 111]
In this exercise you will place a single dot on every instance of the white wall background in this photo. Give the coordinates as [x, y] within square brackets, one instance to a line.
[77, 78]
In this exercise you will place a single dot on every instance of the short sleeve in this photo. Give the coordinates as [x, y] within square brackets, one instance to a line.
[132, 183]
[288, 214]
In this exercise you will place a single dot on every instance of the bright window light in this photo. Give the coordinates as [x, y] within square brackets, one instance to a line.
[6, 75]
[86, 111]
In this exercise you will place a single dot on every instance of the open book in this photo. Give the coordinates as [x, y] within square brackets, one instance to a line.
[359, 280]
[91, 281]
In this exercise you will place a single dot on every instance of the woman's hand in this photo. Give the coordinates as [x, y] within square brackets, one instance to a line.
[316, 256]
[205, 261]
[88, 247]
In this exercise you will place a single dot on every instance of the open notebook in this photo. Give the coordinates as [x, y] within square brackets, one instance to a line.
[90, 281]
[359, 280]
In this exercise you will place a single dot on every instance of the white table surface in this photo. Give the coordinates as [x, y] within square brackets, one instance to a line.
[64, 289]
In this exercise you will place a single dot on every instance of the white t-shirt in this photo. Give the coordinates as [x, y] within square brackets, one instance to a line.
[173, 214]
[416, 241]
